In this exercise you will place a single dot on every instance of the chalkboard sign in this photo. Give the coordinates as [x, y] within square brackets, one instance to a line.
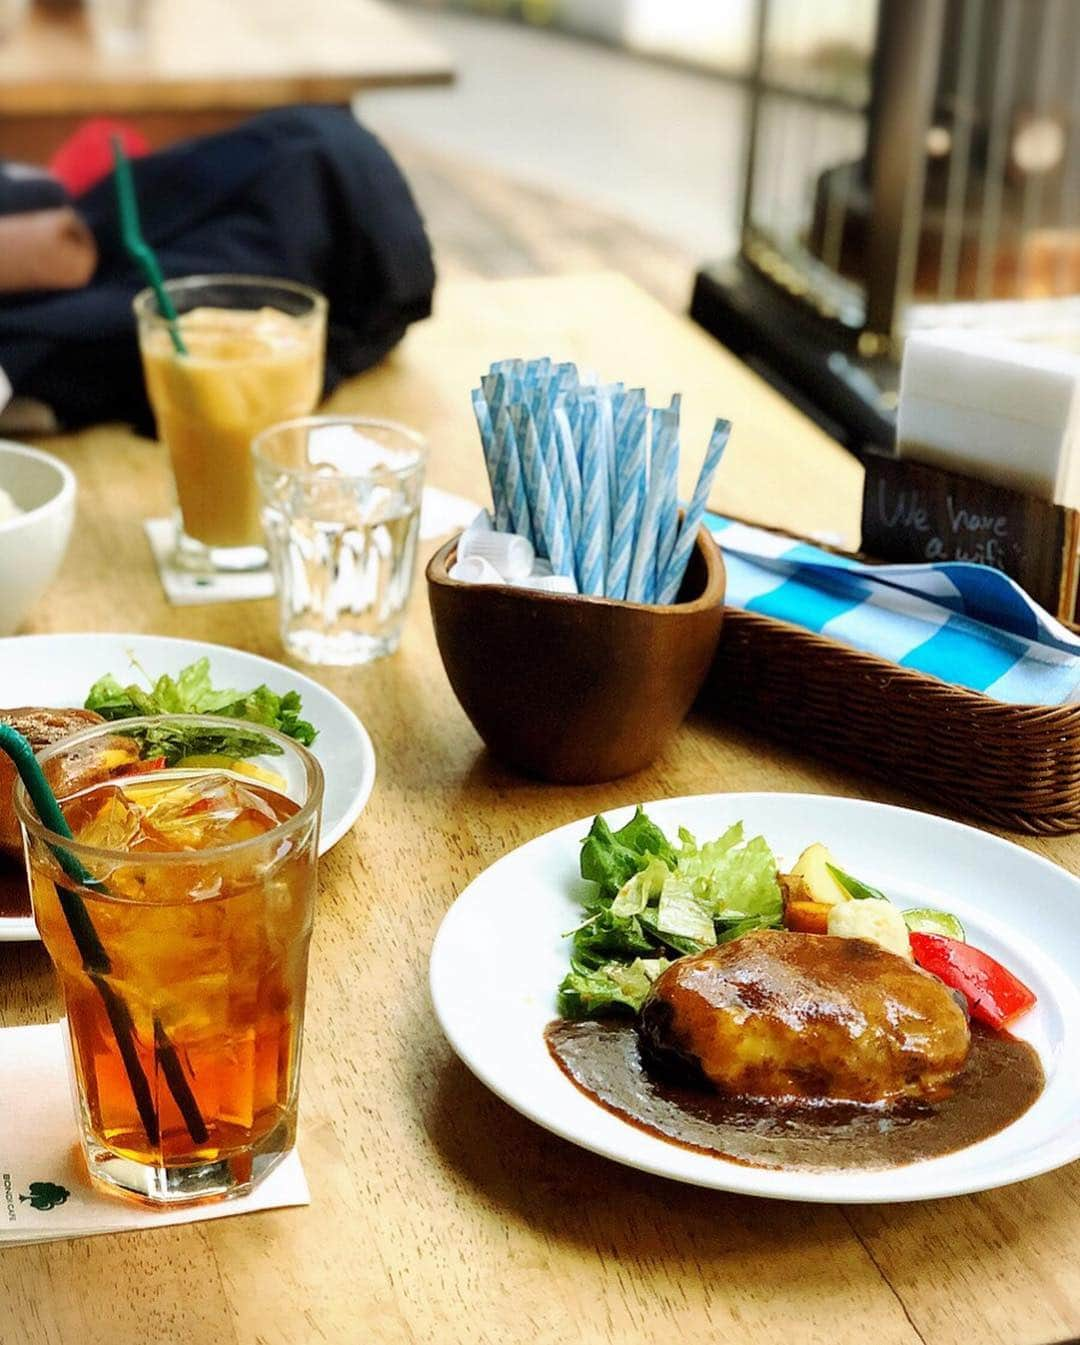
[912, 512]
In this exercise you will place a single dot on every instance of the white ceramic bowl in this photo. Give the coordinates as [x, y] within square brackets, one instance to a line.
[32, 544]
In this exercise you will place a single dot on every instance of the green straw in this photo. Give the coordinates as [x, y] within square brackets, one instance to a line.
[138, 249]
[96, 961]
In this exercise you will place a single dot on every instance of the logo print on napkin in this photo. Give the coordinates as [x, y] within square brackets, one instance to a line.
[46, 1195]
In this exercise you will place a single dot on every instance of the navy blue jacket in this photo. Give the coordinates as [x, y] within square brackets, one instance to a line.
[304, 193]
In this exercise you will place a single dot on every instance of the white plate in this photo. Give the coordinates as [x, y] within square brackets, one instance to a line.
[499, 956]
[58, 670]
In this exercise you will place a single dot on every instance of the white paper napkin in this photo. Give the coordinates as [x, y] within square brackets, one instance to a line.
[45, 1193]
[441, 513]
[1007, 411]
[184, 589]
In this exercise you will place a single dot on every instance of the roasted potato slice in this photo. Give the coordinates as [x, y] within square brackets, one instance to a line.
[812, 867]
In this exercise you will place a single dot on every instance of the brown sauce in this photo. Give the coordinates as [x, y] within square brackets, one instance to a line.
[1000, 1081]
[14, 892]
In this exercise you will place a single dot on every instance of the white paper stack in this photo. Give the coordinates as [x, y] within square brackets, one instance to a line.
[1001, 410]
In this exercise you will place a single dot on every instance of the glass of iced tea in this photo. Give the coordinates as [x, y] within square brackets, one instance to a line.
[255, 355]
[178, 921]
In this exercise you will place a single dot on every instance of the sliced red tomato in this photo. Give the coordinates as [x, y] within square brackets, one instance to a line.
[994, 995]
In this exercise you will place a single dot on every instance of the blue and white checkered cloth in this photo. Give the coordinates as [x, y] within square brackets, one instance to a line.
[966, 624]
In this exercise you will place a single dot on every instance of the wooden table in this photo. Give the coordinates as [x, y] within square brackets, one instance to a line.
[439, 1215]
[206, 64]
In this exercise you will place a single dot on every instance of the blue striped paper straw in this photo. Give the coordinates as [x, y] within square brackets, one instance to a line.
[576, 404]
[496, 390]
[563, 559]
[605, 400]
[665, 450]
[566, 377]
[571, 471]
[513, 372]
[680, 556]
[516, 499]
[595, 505]
[511, 369]
[539, 402]
[493, 459]
[628, 405]
[560, 495]
[641, 586]
[537, 372]
[630, 472]
[550, 522]
[532, 473]
[566, 422]
[493, 386]
[499, 394]
[669, 512]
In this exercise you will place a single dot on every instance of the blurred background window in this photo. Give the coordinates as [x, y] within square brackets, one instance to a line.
[816, 177]
[935, 182]
[716, 36]
[856, 167]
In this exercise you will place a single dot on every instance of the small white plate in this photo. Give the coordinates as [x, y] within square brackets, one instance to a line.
[499, 956]
[59, 670]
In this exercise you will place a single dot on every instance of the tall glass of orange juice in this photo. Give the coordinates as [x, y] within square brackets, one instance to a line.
[178, 920]
[255, 355]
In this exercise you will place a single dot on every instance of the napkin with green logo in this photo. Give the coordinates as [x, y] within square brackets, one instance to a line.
[45, 1193]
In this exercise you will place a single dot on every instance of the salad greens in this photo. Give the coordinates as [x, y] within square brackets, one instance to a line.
[192, 692]
[653, 901]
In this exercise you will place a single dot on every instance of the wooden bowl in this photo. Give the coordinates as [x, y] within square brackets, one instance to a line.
[571, 689]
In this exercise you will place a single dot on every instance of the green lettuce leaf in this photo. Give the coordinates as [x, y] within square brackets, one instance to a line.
[192, 692]
[615, 988]
[674, 943]
[607, 937]
[645, 887]
[644, 837]
[652, 899]
[733, 882]
[607, 863]
[700, 865]
[611, 858]
[766, 920]
[174, 742]
[679, 912]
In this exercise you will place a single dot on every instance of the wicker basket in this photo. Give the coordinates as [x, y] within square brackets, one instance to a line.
[1015, 766]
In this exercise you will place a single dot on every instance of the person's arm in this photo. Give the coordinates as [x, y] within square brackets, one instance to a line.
[44, 243]
[45, 250]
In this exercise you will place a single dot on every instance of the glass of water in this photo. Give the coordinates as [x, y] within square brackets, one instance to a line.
[341, 512]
